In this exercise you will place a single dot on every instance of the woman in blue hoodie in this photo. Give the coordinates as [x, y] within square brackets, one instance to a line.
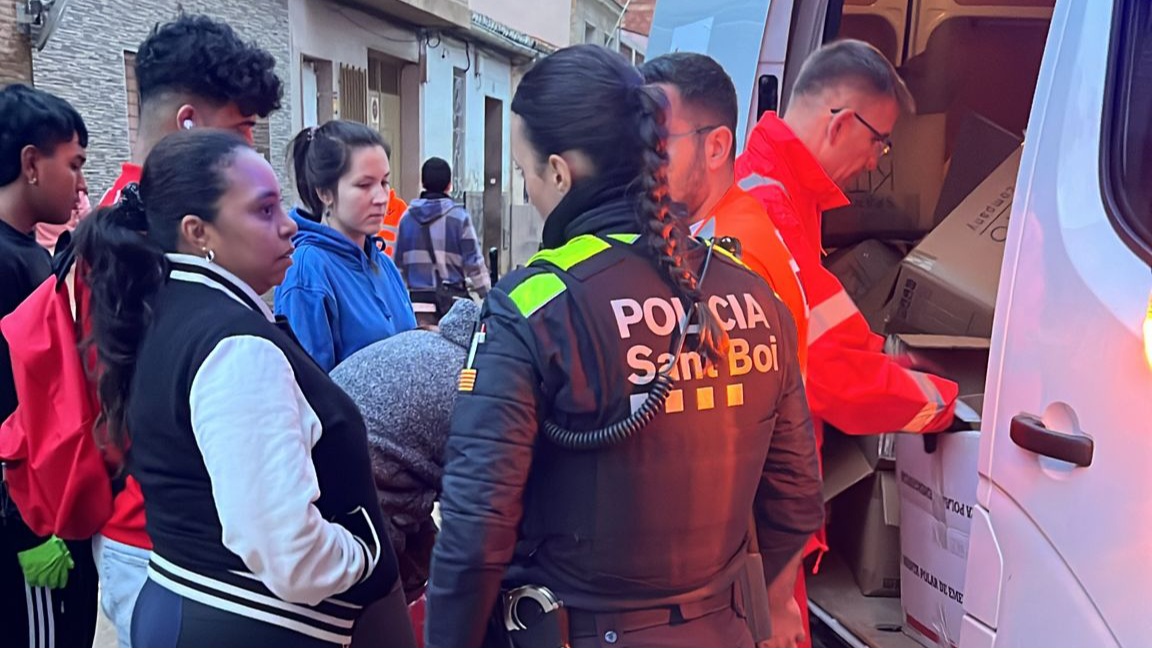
[341, 294]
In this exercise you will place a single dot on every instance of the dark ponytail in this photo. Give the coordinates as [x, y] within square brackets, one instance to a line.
[124, 269]
[122, 248]
[589, 99]
[320, 156]
[664, 234]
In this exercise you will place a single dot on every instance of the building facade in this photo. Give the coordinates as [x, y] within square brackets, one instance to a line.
[435, 80]
[89, 61]
[348, 63]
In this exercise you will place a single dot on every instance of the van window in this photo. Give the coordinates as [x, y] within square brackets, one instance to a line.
[1126, 165]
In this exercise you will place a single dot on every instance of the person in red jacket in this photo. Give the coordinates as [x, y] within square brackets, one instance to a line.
[844, 105]
[194, 72]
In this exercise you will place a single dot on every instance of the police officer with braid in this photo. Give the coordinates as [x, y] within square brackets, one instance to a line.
[599, 458]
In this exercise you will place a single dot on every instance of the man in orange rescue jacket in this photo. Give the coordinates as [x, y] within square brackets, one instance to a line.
[701, 123]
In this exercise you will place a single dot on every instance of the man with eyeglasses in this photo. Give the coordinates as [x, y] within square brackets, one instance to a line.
[701, 121]
[844, 105]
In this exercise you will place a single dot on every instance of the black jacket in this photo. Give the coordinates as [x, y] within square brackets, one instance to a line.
[659, 519]
[254, 465]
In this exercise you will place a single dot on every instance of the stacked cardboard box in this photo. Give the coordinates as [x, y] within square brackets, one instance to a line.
[864, 524]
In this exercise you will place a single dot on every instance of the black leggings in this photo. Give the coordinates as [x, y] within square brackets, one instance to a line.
[165, 619]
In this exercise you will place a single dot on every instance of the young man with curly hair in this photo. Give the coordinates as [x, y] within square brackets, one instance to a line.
[194, 72]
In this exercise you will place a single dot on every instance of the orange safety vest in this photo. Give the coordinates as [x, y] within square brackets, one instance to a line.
[741, 217]
[391, 227]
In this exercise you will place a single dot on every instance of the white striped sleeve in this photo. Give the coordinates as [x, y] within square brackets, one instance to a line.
[255, 431]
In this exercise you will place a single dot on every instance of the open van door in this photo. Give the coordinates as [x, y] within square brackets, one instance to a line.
[1060, 540]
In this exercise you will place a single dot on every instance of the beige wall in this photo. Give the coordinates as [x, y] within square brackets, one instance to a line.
[599, 15]
[547, 20]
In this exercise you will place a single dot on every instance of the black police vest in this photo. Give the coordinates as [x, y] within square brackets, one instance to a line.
[662, 516]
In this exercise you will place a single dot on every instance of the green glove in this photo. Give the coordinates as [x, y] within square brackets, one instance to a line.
[47, 565]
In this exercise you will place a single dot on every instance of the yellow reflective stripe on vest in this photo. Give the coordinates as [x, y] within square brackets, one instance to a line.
[727, 253]
[536, 292]
[625, 238]
[575, 251]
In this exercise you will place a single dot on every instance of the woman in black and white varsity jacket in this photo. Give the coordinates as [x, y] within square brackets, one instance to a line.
[254, 466]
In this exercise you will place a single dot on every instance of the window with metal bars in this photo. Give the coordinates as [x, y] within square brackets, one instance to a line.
[353, 94]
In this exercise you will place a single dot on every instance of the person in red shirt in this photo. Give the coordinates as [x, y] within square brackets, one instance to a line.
[194, 72]
[701, 122]
[844, 105]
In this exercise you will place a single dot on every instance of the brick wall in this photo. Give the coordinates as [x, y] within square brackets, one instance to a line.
[84, 63]
[15, 59]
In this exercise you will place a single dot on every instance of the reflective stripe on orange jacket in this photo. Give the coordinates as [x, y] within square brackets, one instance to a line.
[851, 383]
[741, 216]
[391, 226]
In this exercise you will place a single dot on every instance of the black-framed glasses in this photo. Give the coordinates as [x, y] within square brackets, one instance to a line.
[877, 137]
[703, 130]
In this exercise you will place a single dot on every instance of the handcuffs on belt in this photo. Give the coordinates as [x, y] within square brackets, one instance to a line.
[535, 618]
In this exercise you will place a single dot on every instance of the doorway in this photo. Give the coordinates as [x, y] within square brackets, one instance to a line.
[493, 225]
[384, 108]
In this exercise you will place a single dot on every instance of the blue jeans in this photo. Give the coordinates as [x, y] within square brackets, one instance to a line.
[123, 572]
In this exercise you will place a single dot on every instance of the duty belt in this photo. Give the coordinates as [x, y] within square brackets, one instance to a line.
[592, 624]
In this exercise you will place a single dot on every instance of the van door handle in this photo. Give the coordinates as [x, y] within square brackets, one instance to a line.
[1029, 433]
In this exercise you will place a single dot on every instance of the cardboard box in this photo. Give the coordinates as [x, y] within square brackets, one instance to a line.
[874, 305]
[844, 464]
[947, 284]
[860, 267]
[868, 272]
[932, 569]
[938, 477]
[940, 481]
[865, 529]
[961, 359]
[980, 147]
[879, 450]
[898, 199]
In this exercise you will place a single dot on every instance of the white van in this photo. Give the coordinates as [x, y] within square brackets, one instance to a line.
[1061, 538]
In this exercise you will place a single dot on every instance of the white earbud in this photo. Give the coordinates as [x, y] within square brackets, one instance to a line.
[188, 124]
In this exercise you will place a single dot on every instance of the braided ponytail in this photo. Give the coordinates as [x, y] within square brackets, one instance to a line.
[666, 236]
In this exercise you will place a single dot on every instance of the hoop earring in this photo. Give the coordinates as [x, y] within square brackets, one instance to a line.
[209, 255]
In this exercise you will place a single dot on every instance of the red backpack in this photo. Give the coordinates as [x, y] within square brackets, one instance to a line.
[55, 473]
